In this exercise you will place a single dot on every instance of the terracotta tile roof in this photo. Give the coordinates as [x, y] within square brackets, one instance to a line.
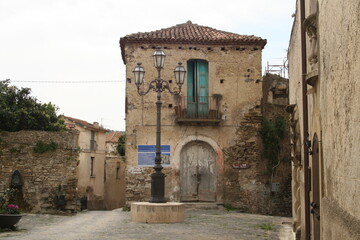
[84, 124]
[190, 33]
[113, 137]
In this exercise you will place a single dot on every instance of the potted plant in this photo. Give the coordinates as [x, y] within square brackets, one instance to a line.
[9, 213]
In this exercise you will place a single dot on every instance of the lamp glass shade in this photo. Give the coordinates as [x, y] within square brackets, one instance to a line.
[159, 58]
[180, 73]
[139, 73]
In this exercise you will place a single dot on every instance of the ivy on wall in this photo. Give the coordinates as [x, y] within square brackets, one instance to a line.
[272, 132]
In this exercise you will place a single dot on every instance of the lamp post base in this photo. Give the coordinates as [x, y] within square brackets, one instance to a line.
[157, 188]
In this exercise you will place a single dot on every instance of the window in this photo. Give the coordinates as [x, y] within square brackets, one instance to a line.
[92, 162]
[92, 141]
[197, 87]
[117, 170]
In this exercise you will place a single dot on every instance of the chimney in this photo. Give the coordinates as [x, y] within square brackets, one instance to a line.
[96, 124]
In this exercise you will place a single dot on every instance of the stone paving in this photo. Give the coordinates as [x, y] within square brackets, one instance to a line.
[116, 224]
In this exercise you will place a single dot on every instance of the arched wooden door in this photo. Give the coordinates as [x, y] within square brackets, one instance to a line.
[198, 172]
[315, 190]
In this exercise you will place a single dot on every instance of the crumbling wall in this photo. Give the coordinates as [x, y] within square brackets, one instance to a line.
[48, 179]
[254, 183]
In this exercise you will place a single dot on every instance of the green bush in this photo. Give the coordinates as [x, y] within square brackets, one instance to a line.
[121, 145]
[42, 147]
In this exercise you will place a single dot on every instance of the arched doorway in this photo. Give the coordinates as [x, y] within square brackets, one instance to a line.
[198, 172]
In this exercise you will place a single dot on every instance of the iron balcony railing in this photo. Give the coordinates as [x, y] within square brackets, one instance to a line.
[198, 109]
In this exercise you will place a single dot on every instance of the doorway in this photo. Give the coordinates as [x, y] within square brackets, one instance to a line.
[315, 190]
[198, 172]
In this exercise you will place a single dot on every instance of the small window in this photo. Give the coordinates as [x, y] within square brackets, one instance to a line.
[117, 170]
[92, 141]
[92, 162]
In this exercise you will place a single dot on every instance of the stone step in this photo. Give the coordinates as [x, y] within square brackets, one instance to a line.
[202, 205]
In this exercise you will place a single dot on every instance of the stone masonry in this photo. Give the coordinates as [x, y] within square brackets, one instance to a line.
[44, 176]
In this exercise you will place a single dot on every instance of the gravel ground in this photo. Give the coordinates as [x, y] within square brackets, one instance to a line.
[116, 224]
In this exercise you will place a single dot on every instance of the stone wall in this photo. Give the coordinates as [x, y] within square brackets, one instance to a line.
[45, 176]
[252, 184]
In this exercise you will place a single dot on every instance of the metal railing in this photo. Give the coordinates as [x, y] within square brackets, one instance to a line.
[198, 109]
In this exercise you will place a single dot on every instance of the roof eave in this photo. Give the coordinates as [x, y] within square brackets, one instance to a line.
[123, 41]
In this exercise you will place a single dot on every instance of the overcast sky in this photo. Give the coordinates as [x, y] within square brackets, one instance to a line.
[78, 40]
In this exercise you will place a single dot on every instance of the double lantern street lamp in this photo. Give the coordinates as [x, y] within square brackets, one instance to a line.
[158, 85]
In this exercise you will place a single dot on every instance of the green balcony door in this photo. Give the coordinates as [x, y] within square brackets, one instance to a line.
[197, 88]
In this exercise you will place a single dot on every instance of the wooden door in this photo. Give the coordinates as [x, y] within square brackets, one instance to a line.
[315, 190]
[197, 172]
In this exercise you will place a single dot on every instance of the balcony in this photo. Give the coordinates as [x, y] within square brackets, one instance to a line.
[203, 110]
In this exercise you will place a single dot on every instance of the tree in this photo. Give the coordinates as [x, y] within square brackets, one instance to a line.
[20, 111]
[121, 145]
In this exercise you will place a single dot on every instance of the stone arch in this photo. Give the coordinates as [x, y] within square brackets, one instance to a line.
[219, 159]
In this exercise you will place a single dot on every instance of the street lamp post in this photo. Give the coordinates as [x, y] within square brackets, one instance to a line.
[158, 85]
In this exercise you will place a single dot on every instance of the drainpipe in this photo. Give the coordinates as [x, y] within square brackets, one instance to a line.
[306, 168]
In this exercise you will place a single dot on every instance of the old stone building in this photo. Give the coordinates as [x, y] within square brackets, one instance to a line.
[219, 109]
[91, 161]
[324, 68]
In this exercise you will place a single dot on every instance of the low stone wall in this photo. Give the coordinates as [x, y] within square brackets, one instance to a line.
[48, 179]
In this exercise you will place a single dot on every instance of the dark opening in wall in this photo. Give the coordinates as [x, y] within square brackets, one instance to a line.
[180, 47]
[209, 48]
[170, 105]
[142, 47]
[170, 81]
[222, 49]
[222, 81]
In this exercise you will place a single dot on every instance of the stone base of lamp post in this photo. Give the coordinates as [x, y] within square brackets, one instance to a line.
[146, 212]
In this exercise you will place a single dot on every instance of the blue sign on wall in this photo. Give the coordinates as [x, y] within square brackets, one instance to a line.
[147, 153]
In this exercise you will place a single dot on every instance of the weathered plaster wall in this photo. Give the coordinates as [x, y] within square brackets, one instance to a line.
[114, 182]
[42, 173]
[241, 90]
[89, 186]
[339, 28]
[333, 116]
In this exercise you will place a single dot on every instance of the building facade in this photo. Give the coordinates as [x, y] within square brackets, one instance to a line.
[91, 171]
[218, 113]
[324, 66]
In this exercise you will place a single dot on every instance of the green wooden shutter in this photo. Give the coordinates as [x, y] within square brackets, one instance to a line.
[191, 86]
[202, 89]
[197, 88]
